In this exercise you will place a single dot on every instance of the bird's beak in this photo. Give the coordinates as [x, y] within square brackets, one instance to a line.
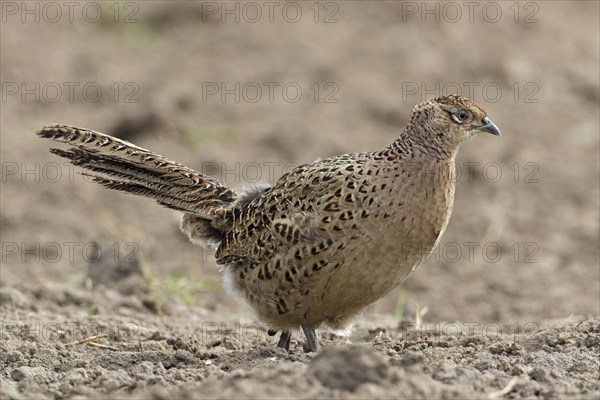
[490, 127]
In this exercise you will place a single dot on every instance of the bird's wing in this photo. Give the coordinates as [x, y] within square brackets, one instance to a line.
[302, 214]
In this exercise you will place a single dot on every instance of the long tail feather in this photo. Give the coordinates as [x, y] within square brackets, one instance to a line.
[126, 167]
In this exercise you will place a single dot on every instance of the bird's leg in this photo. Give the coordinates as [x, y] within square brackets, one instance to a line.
[284, 340]
[311, 338]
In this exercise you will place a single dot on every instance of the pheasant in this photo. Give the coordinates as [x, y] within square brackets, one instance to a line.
[328, 238]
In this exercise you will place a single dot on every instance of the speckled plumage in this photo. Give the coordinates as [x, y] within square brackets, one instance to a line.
[328, 238]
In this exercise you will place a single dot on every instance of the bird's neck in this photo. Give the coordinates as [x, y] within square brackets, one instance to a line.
[416, 143]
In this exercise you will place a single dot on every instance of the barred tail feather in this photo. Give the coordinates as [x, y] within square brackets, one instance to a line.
[126, 167]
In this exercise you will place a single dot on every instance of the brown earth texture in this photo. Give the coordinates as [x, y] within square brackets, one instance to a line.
[101, 296]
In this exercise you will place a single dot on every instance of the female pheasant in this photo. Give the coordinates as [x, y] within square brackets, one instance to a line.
[328, 238]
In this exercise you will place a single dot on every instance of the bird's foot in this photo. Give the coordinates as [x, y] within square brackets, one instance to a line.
[284, 340]
[311, 338]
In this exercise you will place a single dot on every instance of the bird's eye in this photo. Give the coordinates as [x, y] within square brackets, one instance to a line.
[461, 117]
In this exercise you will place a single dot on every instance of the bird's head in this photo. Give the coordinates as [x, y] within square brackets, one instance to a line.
[452, 119]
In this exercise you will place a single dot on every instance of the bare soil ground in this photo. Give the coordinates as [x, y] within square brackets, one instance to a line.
[507, 307]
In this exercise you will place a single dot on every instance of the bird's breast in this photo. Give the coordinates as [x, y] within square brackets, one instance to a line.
[407, 221]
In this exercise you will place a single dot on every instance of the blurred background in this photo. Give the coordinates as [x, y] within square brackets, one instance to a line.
[244, 91]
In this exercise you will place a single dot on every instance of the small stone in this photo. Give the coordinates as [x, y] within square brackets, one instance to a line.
[110, 385]
[18, 374]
